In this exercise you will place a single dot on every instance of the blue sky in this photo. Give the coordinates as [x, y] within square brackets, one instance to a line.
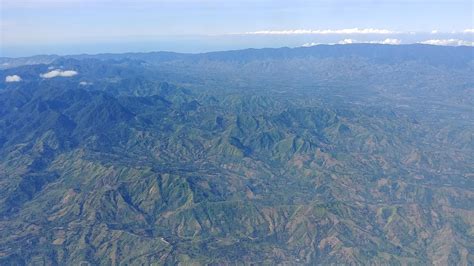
[93, 26]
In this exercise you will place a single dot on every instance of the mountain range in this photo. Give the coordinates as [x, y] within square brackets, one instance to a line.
[324, 155]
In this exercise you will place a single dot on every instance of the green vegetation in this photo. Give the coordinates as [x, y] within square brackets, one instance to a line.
[357, 154]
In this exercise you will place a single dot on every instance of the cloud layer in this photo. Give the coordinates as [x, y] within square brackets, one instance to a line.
[352, 31]
[448, 42]
[386, 41]
[13, 78]
[351, 41]
[58, 73]
[322, 32]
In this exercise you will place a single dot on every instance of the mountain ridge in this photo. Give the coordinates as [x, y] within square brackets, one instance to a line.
[303, 160]
[169, 55]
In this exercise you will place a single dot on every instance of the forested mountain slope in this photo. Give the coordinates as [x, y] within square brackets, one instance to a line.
[354, 154]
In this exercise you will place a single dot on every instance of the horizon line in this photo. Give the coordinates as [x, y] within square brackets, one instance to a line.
[303, 46]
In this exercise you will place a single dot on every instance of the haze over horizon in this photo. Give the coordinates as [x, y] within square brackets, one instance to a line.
[73, 27]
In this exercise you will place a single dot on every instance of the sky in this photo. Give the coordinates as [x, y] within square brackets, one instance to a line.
[30, 27]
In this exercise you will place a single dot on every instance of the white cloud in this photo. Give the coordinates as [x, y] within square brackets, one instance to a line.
[310, 44]
[353, 31]
[386, 41]
[390, 41]
[351, 41]
[85, 83]
[448, 42]
[347, 41]
[13, 78]
[322, 32]
[59, 73]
